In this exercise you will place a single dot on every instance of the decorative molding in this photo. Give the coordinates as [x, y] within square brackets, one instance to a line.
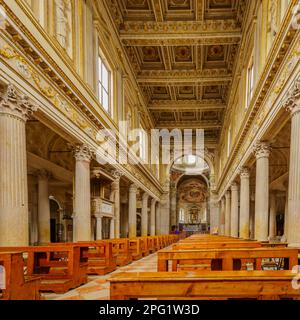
[244, 172]
[15, 104]
[234, 186]
[83, 152]
[43, 174]
[261, 150]
[291, 101]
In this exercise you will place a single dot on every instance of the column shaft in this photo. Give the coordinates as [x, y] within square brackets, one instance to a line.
[116, 191]
[234, 228]
[145, 215]
[82, 218]
[152, 217]
[293, 226]
[262, 191]
[98, 227]
[227, 213]
[132, 211]
[245, 204]
[43, 208]
[14, 112]
[272, 219]
[222, 217]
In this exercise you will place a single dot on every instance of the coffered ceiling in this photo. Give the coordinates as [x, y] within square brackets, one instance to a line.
[183, 53]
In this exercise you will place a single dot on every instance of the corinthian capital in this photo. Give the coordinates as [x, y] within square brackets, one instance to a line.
[234, 186]
[244, 172]
[16, 104]
[261, 149]
[291, 101]
[82, 152]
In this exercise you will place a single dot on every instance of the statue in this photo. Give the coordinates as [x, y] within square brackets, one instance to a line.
[62, 24]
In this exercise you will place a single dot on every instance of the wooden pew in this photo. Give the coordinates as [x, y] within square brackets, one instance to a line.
[262, 285]
[60, 267]
[151, 244]
[215, 245]
[157, 244]
[135, 248]
[120, 249]
[225, 259]
[100, 257]
[17, 286]
[144, 246]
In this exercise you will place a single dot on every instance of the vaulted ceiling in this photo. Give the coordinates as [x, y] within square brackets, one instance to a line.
[183, 53]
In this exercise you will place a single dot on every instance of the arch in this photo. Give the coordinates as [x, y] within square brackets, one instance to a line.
[208, 158]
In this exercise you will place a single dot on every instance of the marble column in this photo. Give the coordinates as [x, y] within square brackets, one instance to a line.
[112, 229]
[165, 213]
[82, 204]
[214, 215]
[132, 211]
[234, 226]
[43, 207]
[245, 204]
[152, 217]
[286, 214]
[262, 153]
[157, 219]
[252, 218]
[222, 217]
[145, 214]
[15, 110]
[173, 206]
[227, 212]
[272, 219]
[115, 188]
[292, 104]
[98, 226]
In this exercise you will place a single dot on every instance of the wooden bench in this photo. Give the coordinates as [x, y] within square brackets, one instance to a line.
[215, 245]
[100, 257]
[120, 249]
[144, 246]
[224, 259]
[135, 248]
[17, 286]
[262, 285]
[151, 244]
[60, 267]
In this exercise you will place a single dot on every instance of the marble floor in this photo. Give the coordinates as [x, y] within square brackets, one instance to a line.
[97, 287]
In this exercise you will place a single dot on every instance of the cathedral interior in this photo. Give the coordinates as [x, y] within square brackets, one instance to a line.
[83, 81]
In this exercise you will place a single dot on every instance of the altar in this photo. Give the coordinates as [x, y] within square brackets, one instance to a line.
[197, 227]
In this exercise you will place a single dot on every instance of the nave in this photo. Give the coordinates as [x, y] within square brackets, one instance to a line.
[201, 266]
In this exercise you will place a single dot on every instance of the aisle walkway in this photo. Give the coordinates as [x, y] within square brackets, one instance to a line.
[98, 287]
